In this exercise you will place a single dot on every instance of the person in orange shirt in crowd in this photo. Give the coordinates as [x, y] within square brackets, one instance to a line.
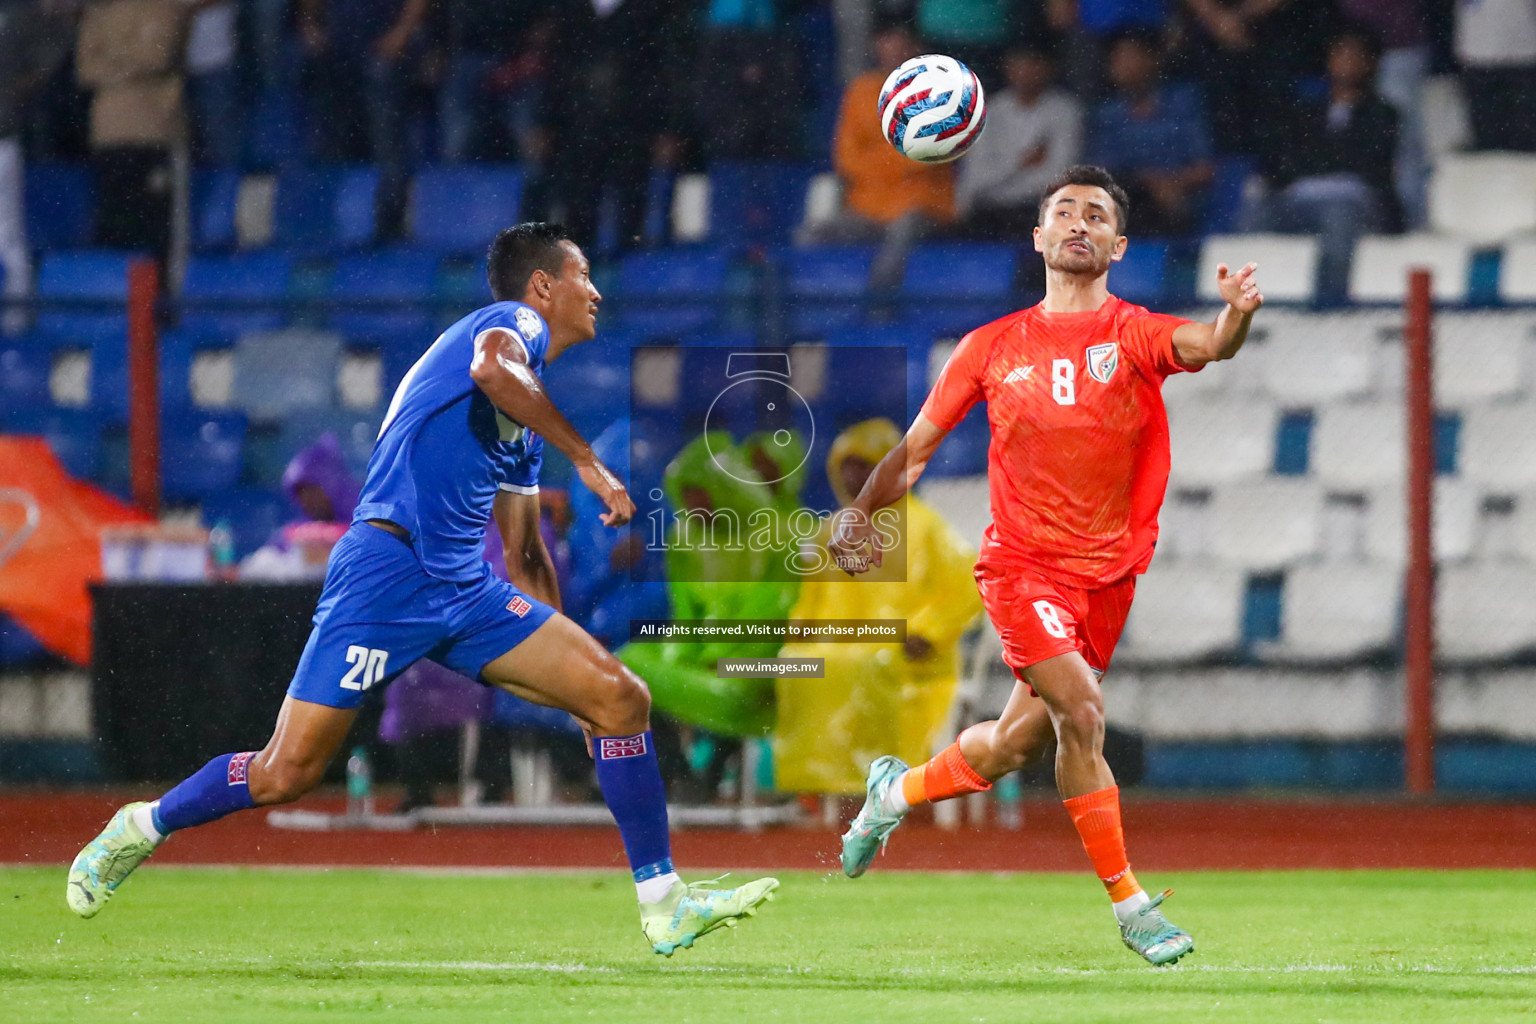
[886, 197]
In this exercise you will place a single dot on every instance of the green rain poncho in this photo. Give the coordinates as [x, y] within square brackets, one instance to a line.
[715, 581]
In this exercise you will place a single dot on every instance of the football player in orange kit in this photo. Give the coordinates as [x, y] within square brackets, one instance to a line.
[1077, 469]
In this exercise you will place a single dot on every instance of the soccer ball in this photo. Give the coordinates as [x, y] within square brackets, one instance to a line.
[932, 108]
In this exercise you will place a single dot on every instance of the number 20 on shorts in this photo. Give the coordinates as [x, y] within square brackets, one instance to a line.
[368, 667]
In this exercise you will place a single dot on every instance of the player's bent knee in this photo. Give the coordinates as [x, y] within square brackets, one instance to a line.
[620, 702]
[1082, 724]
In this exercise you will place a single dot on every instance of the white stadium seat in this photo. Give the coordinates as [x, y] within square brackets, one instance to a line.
[823, 199]
[963, 501]
[1517, 271]
[1222, 440]
[1498, 446]
[1480, 356]
[1447, 125]
[1184, 612]
[1382, 262]
[1485, 611]
[1458, 507]
[1268, 524]
[1299, 365]
[690, 208]
[1359, 444]
[1287, 264]
[1484, 198]
[1338, 610]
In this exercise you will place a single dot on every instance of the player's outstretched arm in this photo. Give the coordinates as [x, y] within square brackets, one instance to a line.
[500, 369]
[1197, 344]
[529, 566]
[855, 543]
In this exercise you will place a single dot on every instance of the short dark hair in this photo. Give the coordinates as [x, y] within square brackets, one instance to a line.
[1094, 177]
[520, 250]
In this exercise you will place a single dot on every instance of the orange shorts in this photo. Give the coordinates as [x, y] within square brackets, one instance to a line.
[1038, 618]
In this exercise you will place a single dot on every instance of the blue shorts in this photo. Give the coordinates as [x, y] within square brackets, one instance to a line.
[380, 611]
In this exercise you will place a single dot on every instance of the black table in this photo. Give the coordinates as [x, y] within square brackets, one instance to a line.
[186, 671]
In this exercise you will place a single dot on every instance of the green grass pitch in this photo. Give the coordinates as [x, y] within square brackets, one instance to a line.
[353, 945]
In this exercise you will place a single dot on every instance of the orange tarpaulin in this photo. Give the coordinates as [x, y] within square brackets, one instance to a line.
[44, 573]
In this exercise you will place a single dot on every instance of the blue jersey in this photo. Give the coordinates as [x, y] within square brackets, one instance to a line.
[444, 449]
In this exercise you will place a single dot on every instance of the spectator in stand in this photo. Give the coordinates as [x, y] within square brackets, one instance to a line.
[213, 84]
[612, 110]
[360, 56]
[1154, 138]
[1250, 55]
[30, 45]
[1496, 45]
[1336, 176]
[1034, 132]
[886, 197]
[1404, 33]
[324, 491]
[496, 58]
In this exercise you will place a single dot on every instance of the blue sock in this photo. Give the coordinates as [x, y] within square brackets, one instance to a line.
[631, 785]
[218, 788]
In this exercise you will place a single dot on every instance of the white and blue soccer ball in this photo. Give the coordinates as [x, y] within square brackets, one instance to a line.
[932, 108]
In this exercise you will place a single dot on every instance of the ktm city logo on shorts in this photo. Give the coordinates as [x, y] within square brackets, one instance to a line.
[519, 606]
[1102, 361]
[240, 768]
[620, 746]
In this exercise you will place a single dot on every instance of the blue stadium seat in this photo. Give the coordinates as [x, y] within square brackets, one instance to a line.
[460, 209]
[24, 372]
[826, 287]
[954, 286]
[280, 372]
[401, 284]
[85, 276]
[671, 291]
[19, 647]
[757, 203]
[215, 191]
[1224, 203]
[61, 207]
[109, 375]
[254, 514]
[324, 210]
[201, 454]
[253, 285]
[590, 385]
[73, 434]
[462, 286]
[274, 130]
[1141, 276]
[862, 384]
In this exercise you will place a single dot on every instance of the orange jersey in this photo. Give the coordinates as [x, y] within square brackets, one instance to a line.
[1078, 462]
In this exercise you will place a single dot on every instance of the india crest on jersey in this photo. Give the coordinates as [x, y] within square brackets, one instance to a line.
[1102, 361]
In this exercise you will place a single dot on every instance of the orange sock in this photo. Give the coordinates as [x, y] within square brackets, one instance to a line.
[942, 776]
[1097, 817]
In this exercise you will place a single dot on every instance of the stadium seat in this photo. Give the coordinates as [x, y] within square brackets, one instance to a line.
[1287, 264]
[23, 377]
[862, 384]
[215, 191]
[1380, 269]
[319, 211]
[1360, 444]
[459, 209]
[254, 514]
[97, 279]
[756, 203]
[60, 205]
[231, 295]
[74, 435]
[590, 385]
[278, 372]
[1334, 611]
[1485, 611]
[201, 454]
[671, 291]
[1517, 271]
[1183, 612]
[825, 288]
[1298, 366]
[276, 128]
[398, 286]
[963, 452]
[1483, 198]
[1222, 440]
[1480, 357]
[1224, 202]
[964, 502]
[1267, 524]
[1458, 506]
[954, 286]
[690, 208]
[1141, 276]
[1498, 446]
[1447, 124]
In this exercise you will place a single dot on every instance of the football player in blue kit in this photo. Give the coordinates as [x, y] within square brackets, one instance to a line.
[462, 441]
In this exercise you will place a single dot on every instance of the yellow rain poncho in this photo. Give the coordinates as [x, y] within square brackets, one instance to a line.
[875, 699]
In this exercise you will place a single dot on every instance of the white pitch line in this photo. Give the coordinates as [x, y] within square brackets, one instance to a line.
[1371, 969]
[479, 965]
